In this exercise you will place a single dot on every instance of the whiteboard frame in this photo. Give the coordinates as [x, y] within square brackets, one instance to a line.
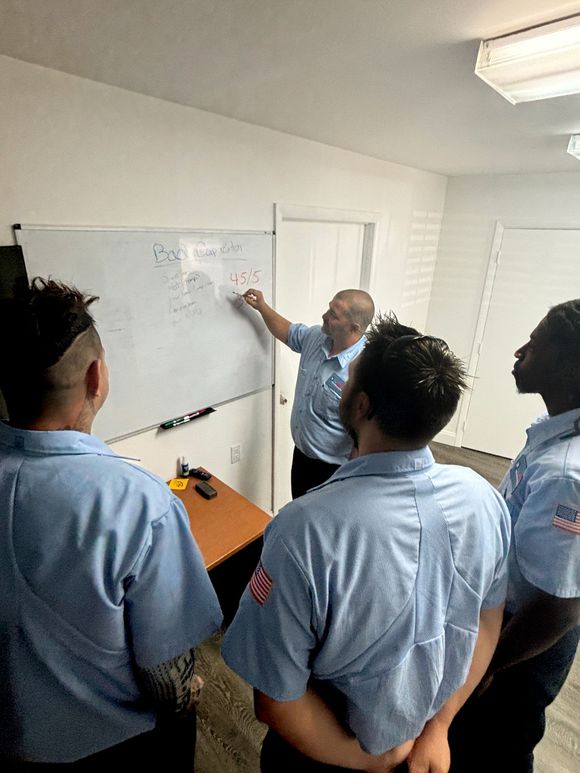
[132, 229]
[19, 227]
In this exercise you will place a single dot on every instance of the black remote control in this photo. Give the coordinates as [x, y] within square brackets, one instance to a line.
[205, 490]
[197, 472]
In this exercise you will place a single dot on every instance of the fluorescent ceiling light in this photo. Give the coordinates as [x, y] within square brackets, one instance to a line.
[536, 63]
[574, 146]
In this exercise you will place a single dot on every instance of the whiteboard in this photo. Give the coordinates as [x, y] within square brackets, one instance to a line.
[177, 336]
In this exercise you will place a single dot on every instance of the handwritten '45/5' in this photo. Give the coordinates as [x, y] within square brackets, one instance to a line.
[251, 277]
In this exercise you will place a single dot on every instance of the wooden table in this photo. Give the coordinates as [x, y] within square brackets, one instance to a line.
[224, 525]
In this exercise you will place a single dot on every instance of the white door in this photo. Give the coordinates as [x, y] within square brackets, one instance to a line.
[313, 261]
[538, 268]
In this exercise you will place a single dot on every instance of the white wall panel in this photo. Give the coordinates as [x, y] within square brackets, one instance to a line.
[83, 153]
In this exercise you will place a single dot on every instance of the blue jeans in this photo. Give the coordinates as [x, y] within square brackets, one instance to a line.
[499, 730]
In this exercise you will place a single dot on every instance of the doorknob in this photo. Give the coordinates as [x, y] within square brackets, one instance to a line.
[283, 400]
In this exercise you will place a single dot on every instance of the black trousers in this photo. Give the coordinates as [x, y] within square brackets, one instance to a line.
[499, 730]
[307, 473]
[170, 746]
[278, 756]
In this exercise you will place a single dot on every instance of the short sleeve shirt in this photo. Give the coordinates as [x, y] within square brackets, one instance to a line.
[315, 422]
[372, 585]
[99, 574]
[542, 490]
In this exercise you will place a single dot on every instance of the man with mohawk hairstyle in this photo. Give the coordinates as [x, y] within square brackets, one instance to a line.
[103, 591]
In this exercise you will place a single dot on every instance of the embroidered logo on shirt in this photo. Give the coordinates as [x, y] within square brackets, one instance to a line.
[567, 518]
[517, 471]
[335, 384]
[260, 585]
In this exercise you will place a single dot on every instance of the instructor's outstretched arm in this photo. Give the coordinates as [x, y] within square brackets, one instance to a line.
[276, 323]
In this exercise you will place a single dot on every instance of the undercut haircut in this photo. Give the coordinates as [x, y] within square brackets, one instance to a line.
[361, 307]
[563, 324]
[413, 381]
[48, 334]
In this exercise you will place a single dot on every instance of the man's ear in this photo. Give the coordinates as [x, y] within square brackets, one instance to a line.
[95, 378]
[363, 406]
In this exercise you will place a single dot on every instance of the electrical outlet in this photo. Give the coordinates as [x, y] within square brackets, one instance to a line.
[235, 453]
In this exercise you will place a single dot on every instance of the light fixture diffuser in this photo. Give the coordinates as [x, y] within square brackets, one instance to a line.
[574, 146]
[537, 63]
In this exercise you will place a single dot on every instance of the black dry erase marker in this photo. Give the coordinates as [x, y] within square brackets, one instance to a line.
[197, 472]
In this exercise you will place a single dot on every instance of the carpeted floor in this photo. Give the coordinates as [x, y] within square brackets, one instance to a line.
[229, 737]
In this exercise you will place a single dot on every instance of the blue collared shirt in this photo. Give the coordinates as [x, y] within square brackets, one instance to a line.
[372, 584]
[542, 489]
[98, 573]
[315, 422]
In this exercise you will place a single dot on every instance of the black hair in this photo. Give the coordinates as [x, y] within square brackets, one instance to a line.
[39, 324]
[413, 381]
[563, 324]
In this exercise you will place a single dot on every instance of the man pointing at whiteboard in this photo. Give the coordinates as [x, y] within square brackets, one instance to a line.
[320, 440]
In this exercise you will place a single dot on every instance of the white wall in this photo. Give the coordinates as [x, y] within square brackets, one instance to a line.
[78, 152]
[473, 206]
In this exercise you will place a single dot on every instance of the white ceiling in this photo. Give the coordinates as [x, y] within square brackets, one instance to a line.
[391, 79]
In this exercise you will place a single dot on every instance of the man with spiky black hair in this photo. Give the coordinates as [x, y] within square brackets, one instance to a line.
[378, 600]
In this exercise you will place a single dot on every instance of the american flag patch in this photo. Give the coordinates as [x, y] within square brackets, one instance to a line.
[567, 518]
[517, 470]
[260, 585]
[335, 384]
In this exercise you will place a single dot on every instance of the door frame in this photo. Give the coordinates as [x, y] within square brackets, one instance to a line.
[298, 213]
[485, 303]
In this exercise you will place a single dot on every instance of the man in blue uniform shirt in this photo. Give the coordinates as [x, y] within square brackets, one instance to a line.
[499, 728]
[103, 592]
[321, 444]
[378, 600]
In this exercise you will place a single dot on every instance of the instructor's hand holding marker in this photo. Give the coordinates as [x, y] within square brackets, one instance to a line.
[253, 298]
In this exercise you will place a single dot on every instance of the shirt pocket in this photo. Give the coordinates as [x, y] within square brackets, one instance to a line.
[327, 397]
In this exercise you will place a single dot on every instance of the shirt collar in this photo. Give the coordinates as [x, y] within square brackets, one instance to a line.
[548, 427]
[57, 442]
[386, 463]
[346, 355]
